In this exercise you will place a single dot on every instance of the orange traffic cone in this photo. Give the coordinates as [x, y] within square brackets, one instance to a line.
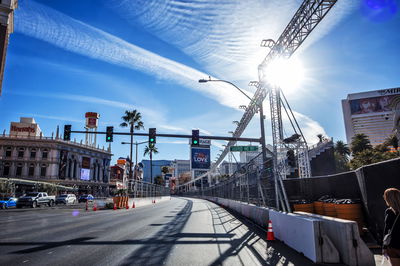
[127, 206]
[115, 206]
[270, 232]
[95, 206]
[133, 205]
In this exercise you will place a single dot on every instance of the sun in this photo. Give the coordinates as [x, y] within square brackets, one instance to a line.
[288, 74]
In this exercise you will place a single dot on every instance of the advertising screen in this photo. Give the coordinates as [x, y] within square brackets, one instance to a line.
[371, 105]
[200, 158]
[85, 174]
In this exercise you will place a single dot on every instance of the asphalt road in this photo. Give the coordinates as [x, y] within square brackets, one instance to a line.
[181, 231]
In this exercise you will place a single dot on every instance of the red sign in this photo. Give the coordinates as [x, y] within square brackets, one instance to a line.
[23, 129]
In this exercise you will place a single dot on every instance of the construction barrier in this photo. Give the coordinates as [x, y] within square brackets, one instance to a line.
[319, 207]
[352, 212]
[304, 207]
[329, 209]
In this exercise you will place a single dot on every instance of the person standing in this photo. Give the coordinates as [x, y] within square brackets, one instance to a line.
[391, 241]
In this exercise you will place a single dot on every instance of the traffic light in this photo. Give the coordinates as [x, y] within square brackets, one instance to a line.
[291, 159]
[109, 134]
[152, 135]
[67, 132]
[195, 137]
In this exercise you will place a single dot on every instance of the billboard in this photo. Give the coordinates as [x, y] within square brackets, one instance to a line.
[200, 158]
[85, 174]
[371, 105]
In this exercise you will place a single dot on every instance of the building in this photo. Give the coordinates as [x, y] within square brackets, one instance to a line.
[180, 167]
[370, 113]
[26, 154]
[6, 28]
[156, 171]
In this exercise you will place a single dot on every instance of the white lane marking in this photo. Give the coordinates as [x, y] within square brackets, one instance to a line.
[50, 252]
[25, 261]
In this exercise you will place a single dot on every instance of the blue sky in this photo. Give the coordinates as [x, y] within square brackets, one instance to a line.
[66, 58]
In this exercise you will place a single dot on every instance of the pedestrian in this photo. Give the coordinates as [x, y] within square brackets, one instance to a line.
[391, 232]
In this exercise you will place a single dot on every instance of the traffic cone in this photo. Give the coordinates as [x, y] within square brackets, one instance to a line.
[127, 206]
[154, 201]
[86, 208]
[133, 205]
[95, 206]
[115, 206]
[270, 232]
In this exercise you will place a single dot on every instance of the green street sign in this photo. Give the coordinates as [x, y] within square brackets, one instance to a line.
[243, 148]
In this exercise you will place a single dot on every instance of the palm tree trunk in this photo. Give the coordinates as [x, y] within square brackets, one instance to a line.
[151, 166]
[130, 167]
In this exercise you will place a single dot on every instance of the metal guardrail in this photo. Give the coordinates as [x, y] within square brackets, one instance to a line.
[140, 189]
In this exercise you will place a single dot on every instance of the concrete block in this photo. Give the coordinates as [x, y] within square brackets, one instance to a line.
[305, 235]
[346, 238]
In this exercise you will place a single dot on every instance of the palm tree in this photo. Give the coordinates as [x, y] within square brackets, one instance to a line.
[392, 141]
[320, 137]
[342, 149]
[133, 120]
[150, 149]
[359, 143]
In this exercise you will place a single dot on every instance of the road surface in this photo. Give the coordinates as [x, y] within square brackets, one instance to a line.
[181, 231]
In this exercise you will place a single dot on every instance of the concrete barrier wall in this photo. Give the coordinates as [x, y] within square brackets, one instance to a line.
[305, 235]
[320, 238]
[345, 236]
[139, 202]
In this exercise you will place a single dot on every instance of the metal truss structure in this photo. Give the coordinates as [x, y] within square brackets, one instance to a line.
[304, 21]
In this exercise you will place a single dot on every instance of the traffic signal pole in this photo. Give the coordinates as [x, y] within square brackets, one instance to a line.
[174, 136]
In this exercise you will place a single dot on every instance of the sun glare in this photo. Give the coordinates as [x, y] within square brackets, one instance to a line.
[286, 74]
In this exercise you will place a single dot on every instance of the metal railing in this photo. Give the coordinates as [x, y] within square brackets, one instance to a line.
[140, 189]
[251, 183]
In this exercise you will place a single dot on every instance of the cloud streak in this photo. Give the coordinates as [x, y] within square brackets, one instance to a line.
[49, 25]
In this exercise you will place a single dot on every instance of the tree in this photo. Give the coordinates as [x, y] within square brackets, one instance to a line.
[359, 143]
[342, 149]
[370, 156]
[150, 149]
[133, 119]
[159, 180]
[165, 169]
[321, 137]
[392, 141]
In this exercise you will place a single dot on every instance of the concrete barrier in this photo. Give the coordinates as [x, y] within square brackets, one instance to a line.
[305, 235]
[338, 236]
[346, 238]
[140, 202]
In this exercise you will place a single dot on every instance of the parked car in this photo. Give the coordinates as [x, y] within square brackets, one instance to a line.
[66, 199]
[7, 202]
[85, 197]
[34, 199]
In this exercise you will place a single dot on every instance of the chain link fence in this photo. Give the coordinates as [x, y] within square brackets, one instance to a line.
[252, 183]
[140, 189]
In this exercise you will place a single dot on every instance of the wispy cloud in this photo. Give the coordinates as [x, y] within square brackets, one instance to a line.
[222, 35]
[49, 25]
[52, 117]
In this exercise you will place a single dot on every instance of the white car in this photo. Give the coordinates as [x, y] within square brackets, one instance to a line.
[66, 199]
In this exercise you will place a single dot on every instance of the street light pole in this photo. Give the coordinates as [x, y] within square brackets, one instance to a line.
[260, 107]
[136, 144]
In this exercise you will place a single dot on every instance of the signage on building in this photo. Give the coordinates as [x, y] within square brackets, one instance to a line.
[200, 158]
[243, 148]
[92, 119]
[85, 174]
[389, 91]
[86, 162]
[23, 129]
[121, 161]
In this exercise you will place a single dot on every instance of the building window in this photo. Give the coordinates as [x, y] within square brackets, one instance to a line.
[43, 169]
[45, 154]
[6, 171]
[31, 170]
[21, 152]
[8, 151]
[33, 153]
[74, 171]
[19, 170]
